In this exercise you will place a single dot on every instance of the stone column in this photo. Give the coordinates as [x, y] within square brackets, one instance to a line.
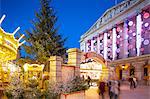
[92, 44]
[114, 47]
[98, 45]
[55, 68]
[85, 44]
[105, 45]
[138, 33]
[74, 59]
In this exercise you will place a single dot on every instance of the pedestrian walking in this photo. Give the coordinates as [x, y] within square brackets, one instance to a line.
[88, 80]
[119, 84]
[116, 90]
[102, 89]
[83, 77]
[131, 82]
[109, 84]
[135, 82]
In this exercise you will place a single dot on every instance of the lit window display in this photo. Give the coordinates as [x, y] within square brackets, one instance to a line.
[132, 37]
[92, 69]
[101, 44]
[128, 37]
[33, 71]
[95, 44]
[145, 46]
[109, 44]
[119, 41]
[89, 45]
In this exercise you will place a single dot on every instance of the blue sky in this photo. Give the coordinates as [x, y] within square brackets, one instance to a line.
[74, 16]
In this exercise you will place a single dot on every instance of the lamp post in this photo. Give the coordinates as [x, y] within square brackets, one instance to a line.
[123, 67]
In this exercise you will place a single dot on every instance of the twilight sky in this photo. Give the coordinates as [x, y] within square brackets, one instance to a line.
[75, 17]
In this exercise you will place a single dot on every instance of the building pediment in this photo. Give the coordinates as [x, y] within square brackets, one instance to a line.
[111, 13]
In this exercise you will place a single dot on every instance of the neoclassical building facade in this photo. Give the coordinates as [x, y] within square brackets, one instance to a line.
[122, 36]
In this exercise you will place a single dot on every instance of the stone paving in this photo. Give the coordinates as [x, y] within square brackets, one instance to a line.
[141, 92]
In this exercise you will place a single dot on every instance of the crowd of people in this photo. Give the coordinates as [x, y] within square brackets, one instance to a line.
[133, 82]
[113, 87]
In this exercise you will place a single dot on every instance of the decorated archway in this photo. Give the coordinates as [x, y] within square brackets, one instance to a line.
[122, 71]
[93, 65]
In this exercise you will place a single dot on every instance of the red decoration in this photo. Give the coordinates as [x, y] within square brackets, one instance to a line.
[118, 42]
[130, 46]
[146, 24]
[118, 29]
[141, 30]
[134, 40]
[130, 31]
[121, 39]
[146, 15]
[142, 49]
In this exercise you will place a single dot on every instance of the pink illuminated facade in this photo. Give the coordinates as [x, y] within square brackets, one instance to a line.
[123, 31]
[122, 36]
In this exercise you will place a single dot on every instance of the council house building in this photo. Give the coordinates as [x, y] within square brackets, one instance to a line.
[122, 37]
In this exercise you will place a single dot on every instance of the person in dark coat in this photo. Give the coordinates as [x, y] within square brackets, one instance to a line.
[88, 80]
[102, 89]
[109, 84]
[132, 84]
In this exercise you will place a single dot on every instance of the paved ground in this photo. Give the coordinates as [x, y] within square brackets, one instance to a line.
[141, 92]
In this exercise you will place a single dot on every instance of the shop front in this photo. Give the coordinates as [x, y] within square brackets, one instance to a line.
[138, 67]
[94, 66]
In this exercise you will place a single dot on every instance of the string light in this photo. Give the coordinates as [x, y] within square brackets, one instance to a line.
[146, 42]
[118, 36]
[118, 29]
[134, 34]
[130, 23]
[118, 50]
[142, 49]
[146, 24]
[146, 15]
[130, 31]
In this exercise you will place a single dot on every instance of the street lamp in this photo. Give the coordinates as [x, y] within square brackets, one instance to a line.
[123, 67]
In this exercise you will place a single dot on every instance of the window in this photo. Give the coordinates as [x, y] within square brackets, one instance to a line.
[146, 71]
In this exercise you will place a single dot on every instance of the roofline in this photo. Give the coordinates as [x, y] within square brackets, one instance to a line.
[105, 13]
